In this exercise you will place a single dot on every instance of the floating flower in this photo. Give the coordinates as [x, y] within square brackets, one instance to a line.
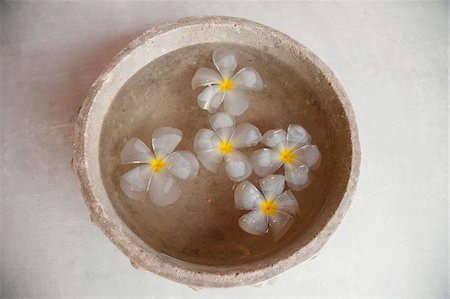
[274, 208]
[155, 175]
[224, 142]
[293, 150]
[225, 87]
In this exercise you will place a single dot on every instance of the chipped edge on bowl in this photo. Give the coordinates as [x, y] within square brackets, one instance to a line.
[143, 256]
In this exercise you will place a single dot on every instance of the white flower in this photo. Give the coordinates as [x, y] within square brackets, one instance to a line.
[274, 208]
[293, 150]
[155, 175]
[225, 87]
[225, 141]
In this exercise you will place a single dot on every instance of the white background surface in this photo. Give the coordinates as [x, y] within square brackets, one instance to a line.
[391, 58]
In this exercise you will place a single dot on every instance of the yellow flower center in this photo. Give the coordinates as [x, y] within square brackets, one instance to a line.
[157, 164]
[288, 156]
[226, 147]
[269, 207]
[226, 85]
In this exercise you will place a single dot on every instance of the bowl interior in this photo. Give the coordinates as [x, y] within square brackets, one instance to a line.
[202, 226]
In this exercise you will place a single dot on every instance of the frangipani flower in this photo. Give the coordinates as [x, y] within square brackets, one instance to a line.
[293, 150]
[273, 208]
[224, 142]
[155, 175]
[225, 87]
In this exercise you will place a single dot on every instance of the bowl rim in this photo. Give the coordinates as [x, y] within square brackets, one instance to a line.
[139, 254]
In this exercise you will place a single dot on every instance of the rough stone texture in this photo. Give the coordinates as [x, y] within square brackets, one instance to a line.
[196, 241]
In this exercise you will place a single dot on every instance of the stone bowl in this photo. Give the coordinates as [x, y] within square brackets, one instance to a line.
[197, 240]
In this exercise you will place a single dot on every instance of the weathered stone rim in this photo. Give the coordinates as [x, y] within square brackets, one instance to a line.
[145, 257]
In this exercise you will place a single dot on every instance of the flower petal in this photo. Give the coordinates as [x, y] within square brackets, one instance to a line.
[247, 196]
[275, 139]
[309, 155]
[272, 186]
[210, 98]
[205, 140]
[297, 176]
[225, 62]
[280, 224]
[205, 77]
[287, 202]
[265, 161]
[164, 190]
[223, 124]
[235, 102]
[246, 135]
[210, 159]
[238, 166]
[255, 222]
[297, 136]
[183, 165]
[248, 78]
[165, 140]
[135, 151]
[135, 182]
